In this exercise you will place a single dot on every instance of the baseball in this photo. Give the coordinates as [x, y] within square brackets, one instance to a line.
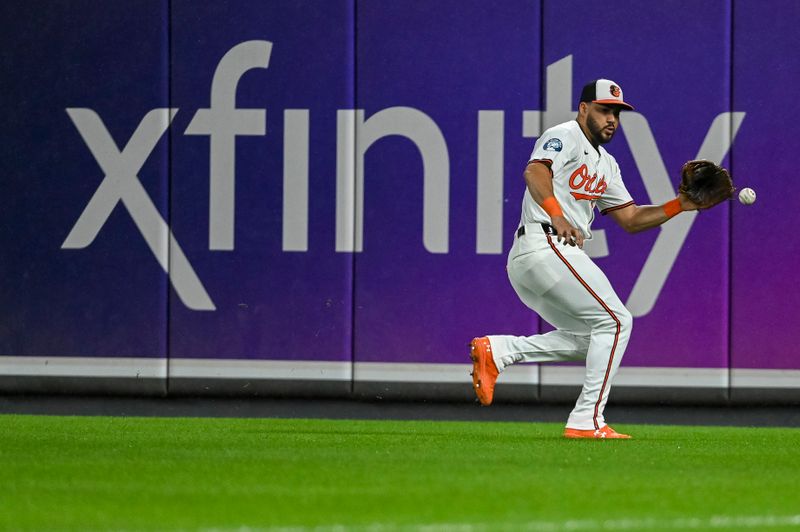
[747, 196]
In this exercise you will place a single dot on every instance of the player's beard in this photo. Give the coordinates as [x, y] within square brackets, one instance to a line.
[599, 133]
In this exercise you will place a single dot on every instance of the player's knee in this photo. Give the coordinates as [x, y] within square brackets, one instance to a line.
[618, 321]
[625, 320]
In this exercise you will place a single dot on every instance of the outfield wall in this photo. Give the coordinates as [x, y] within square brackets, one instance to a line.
[316, 197]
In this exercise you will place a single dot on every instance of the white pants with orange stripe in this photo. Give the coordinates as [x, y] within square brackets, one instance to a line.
[569, 291]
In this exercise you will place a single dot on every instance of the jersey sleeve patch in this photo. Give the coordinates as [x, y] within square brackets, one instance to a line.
[553, 144]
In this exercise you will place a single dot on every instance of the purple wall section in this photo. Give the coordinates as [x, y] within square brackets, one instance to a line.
[653, 59]
[414, 305]
[765, 252]
[471, 87]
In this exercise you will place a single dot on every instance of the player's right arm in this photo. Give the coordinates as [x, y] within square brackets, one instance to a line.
[539, 180]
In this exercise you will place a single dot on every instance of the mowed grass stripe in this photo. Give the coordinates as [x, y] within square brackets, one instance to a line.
[85, 473]
[713, 523]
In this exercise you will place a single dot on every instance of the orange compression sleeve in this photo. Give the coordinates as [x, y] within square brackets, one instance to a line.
[672, 207]
[551, 207]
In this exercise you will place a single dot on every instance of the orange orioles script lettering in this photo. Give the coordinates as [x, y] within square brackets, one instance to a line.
[585, 187]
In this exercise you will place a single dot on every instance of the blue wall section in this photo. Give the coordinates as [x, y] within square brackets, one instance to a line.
[109, 298]
[270, 302]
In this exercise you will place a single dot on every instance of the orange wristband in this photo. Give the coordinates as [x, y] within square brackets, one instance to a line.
[551, 207]
[672, 207]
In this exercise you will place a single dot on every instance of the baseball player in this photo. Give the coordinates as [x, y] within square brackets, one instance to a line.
[567, 175]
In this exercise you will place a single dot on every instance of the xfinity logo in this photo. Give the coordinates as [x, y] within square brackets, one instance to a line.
[222, 122]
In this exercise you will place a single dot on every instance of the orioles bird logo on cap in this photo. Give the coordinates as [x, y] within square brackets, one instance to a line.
[615, 91]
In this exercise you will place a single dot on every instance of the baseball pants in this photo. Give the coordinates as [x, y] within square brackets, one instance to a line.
[567, 289]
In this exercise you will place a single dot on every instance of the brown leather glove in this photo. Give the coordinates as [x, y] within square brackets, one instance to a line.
[705, 184]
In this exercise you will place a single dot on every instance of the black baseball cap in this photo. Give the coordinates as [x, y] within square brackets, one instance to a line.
[604, 91]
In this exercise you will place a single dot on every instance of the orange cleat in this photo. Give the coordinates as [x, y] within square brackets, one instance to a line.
[605, 433]
[484, 371]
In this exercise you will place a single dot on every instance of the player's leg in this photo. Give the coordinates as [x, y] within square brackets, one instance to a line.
[491, 355]
[533, 272]
[532, 279]
[568, 290]
[570, 341]
[592, 298]
[601, 365]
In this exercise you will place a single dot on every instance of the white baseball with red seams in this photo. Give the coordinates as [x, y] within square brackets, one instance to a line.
[747, 196]
[561, 283]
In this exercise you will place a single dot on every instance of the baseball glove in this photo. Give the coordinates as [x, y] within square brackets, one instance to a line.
[705, 184]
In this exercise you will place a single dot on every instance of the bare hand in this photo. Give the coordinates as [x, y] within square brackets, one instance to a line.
[566, 233]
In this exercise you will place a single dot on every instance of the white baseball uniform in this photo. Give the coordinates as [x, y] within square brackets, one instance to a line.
[561, 283]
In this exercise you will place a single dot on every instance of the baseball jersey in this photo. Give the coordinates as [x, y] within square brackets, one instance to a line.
[583, 176]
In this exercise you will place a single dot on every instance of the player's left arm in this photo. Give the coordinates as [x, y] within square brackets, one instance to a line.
[704, 184]
[636, 218]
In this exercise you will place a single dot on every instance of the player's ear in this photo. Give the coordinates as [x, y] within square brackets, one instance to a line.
[583, 108]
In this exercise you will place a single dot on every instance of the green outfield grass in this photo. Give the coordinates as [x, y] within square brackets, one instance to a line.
[88, 473]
